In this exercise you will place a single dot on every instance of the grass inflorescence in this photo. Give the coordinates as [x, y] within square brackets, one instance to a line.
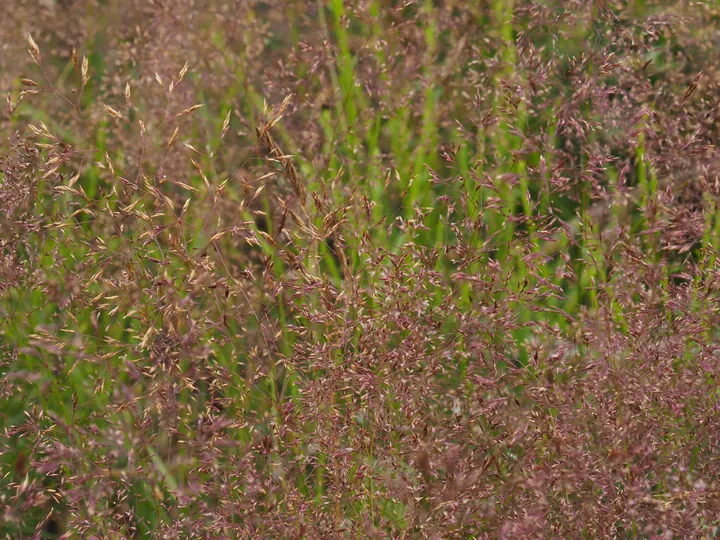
[360, 269]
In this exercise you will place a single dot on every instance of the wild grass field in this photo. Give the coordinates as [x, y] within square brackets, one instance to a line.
[359, 269]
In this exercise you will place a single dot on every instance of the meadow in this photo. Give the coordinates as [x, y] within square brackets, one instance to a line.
[360, 269]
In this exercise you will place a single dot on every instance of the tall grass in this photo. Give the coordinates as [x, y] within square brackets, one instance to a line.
[359, 269]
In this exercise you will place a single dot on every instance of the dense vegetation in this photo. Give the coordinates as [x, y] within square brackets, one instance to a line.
[359, 268]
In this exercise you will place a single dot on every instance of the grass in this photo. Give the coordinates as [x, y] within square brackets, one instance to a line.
[361, 269]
